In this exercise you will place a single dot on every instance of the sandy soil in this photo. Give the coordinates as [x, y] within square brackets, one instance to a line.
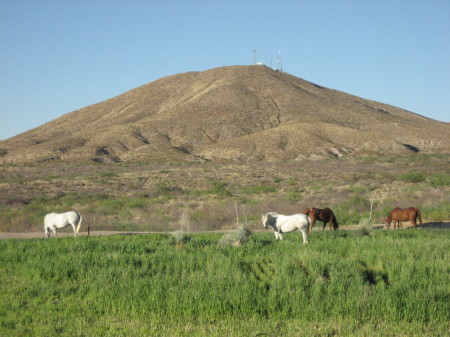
[33, 235]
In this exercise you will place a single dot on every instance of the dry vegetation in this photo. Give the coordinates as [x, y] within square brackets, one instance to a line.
[239, 113]
[152, 197]
[207, 141]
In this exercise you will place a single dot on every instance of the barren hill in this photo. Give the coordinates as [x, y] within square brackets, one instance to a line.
[228, 113]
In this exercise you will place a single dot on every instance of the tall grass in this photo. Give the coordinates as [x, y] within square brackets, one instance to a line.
[389, 283]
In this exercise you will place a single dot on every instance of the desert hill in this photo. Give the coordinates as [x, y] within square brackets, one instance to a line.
[229, 113]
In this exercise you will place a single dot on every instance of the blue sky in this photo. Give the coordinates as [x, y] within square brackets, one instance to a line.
[59, 56]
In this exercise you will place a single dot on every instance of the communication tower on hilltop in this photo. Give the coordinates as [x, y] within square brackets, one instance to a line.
[278, 61]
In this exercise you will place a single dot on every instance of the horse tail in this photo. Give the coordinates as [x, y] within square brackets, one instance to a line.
[419, 215]
[79, 223]
[46, 227]
[47, 231]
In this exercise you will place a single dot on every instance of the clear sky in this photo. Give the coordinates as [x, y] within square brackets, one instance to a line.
[59, 56]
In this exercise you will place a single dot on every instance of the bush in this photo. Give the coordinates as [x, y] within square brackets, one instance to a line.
[237, 238]
[365, 227]
[163, 189]
[180, 237]
[412, 177]
[219, 188]
[438, 180]
[293, 196]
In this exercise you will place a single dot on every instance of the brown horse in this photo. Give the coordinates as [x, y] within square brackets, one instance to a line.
[407, 214]
[325, 215]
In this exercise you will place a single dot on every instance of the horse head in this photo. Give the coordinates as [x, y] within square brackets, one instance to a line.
[387, 223]
[268, 219]
[264, 220]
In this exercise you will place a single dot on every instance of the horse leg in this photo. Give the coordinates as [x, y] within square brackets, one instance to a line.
[324, 225]
[312, 223]
[305, 236]
[47, 232]
[74, 229]
[54, 231]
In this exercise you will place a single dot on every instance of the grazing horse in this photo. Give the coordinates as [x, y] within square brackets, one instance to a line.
[286, 224]
[403, 214]
[325, 215]
[53, 221]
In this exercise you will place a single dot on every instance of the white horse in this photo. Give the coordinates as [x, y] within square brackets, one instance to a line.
[286, 224]
[53, 221]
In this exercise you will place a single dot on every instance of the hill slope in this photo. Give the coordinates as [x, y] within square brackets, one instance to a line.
[228, 113]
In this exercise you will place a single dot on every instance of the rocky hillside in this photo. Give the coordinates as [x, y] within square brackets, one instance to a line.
[232, 113]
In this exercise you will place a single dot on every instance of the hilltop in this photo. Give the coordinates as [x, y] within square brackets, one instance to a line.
[243, 113]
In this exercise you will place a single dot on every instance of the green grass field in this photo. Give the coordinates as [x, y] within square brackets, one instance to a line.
[344, 283]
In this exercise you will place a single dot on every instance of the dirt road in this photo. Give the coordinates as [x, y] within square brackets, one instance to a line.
[34, 235]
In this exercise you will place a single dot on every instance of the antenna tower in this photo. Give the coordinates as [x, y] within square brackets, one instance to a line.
[280, 58]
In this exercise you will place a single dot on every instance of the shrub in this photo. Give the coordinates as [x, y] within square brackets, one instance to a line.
[220, 189]
[184, 220]
[180, 237]
[364, 228]
[277, 180]
[228, 239]
[438, 180]
[412, 177]
[240, 237]
[243, 234]
[163, 189]
[293, 196]
[136, 203]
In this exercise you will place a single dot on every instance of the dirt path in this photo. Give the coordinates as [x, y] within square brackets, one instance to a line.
[34, 235]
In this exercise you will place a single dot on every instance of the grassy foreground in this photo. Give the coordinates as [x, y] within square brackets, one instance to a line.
[344, 283]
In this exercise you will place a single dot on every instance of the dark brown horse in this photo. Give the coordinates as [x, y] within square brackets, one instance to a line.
[325, 215]
[403, 214]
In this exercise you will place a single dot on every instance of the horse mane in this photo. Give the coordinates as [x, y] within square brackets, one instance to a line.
[272, 214]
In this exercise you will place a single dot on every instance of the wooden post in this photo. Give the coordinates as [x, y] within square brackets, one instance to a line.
[370, 216]
[237, 215]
